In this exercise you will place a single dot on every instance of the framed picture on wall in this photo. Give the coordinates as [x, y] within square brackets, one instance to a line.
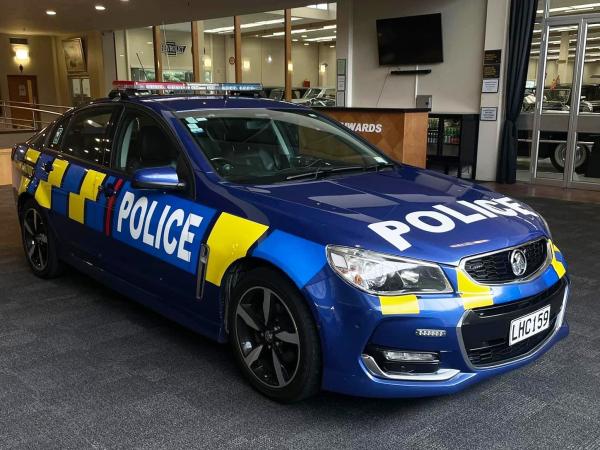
[74, 56]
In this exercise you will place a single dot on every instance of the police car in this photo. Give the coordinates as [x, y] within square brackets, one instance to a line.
[265, 224]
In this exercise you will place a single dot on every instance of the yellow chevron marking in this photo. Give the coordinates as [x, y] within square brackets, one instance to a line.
[401, 304]
[32, 156]
[229, 240]
[43, 193]
[59, 167]
[559, 267]
[24, 184]
[474, 295]
[88, 191]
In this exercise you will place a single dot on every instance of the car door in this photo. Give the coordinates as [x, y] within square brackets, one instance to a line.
[156, 235]
[75, 164]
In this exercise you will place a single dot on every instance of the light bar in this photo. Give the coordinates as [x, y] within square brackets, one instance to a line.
[126, 85]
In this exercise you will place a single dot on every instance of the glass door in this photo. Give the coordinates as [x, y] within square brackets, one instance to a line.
[565, 141]
[556, 83]
[584, 160]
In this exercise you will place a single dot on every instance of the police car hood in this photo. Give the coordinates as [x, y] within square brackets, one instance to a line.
[409, 212]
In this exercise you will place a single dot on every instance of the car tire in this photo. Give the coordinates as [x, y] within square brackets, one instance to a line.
[274, 337]
[39, 243]
[557, 157]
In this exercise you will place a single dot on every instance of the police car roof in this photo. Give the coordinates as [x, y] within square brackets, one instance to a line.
[178, 103]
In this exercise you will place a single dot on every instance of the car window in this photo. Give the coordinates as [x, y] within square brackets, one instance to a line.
[58, 133]
[266, 145]
[88, 135]
[37, 141]
[143, 143]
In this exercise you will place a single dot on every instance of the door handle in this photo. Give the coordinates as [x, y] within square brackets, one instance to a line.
[108, 190]
[48, 167]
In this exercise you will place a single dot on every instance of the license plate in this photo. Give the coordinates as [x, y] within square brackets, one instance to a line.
[529, 325]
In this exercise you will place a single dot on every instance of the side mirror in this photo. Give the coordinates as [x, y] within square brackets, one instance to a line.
[164, 178]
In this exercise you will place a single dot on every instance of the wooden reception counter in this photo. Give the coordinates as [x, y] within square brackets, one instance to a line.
[399, 133]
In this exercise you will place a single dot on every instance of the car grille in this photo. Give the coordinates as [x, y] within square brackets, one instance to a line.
[496, 268]
[484, 331]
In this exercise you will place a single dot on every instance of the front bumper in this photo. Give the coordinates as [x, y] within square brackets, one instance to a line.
[353, 321]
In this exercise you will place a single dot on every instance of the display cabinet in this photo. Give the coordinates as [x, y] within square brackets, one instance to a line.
[452, 144]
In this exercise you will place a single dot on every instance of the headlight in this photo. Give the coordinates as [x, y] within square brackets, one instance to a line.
[377, 273]
[545, 224]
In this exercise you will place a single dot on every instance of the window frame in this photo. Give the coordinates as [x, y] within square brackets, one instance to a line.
[66, 119]
[169, 133]
[117, 111]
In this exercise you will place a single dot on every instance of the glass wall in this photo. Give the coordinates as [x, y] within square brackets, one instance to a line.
[262, 58]
[176, 52]
[565, 131]
[135, 54]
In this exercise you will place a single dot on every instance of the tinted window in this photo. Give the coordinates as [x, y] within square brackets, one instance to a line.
[262, 146]
[88, 135]
[57, 134]
[143, 143]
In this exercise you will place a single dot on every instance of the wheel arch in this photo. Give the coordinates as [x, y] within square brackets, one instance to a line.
[236, 271]
[22, 199]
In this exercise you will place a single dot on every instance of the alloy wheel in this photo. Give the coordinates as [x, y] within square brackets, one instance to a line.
[35, 237]
[267, 337]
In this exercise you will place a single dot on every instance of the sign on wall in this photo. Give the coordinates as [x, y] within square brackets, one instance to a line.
[491, 71]
[172, 48]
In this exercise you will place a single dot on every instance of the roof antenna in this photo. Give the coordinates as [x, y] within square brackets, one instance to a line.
[142, 65]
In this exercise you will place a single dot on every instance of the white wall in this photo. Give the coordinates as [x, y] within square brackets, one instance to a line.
[489, 131]
[455, 84]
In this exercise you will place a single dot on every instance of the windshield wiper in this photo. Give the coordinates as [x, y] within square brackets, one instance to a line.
[325, 171]
[378, 166]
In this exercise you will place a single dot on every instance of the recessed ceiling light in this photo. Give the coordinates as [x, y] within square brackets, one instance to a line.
[332, 46]
[304, 35]
[306, 43]
[295, 40]
[100, 7]
[51, 12]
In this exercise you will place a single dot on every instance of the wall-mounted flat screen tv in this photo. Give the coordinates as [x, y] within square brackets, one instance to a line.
[410, 40]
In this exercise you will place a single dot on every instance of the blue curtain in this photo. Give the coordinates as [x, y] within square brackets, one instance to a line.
[522, 20]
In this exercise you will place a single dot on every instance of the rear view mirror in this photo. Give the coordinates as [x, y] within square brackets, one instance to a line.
[164, 178]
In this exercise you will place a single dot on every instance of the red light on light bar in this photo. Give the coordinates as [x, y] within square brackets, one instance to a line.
[123, 85]
[149, 85]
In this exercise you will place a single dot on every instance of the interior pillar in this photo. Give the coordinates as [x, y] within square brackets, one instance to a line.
[237, 33]
[288, 55]
[156, 44]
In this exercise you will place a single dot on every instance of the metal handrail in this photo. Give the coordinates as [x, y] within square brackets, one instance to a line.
[64, 108]
[40, 117]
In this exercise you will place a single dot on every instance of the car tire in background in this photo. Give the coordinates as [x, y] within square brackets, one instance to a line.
[558, 155]
[274, 338]
[38, 241]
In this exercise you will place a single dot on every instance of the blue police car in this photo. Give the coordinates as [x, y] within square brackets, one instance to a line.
[267, 225]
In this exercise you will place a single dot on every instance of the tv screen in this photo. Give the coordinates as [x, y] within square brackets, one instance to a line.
[410, 40]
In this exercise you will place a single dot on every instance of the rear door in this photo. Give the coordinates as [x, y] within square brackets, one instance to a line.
[72, 175]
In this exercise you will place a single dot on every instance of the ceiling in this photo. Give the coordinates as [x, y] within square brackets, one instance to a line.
[74, 16]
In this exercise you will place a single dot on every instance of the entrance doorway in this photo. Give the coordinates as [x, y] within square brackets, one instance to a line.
[23, 94]
[560, 125]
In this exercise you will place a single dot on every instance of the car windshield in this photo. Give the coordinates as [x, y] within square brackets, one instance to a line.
[312, 93]
[264, 146]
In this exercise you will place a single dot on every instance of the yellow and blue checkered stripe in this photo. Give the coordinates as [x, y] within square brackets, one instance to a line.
[473, 295]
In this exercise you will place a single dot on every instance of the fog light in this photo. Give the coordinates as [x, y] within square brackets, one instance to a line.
[428, 332]
[393, 355]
